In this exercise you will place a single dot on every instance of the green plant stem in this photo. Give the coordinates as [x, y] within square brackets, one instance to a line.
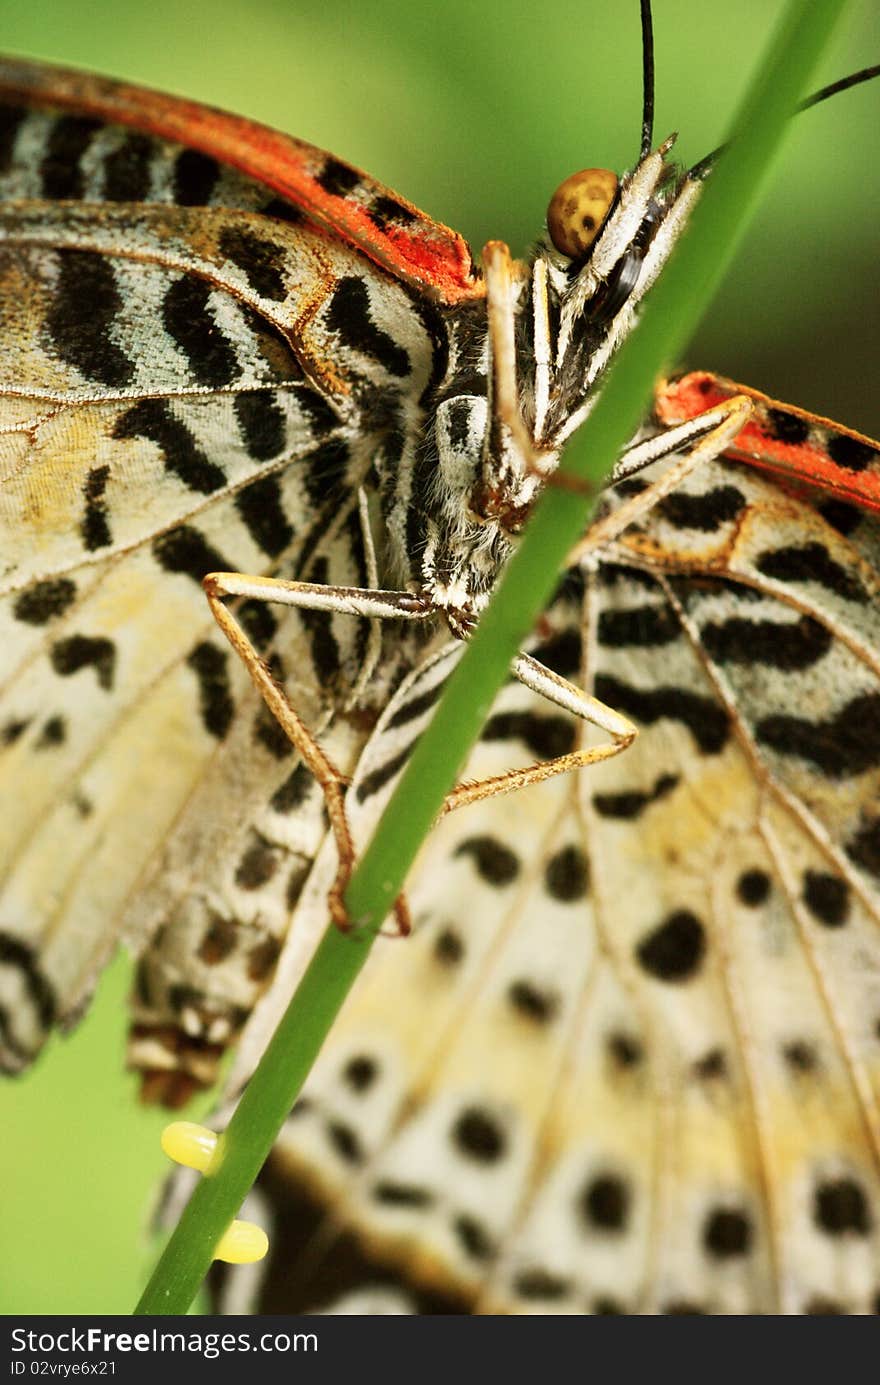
[670, 315]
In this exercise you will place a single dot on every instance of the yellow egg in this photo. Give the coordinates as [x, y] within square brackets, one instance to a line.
[189, 1144]
[242, 1244]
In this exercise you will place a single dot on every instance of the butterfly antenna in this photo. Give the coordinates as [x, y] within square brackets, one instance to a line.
[855, 79]
[647, 77]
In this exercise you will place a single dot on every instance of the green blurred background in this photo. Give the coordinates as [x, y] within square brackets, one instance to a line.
[475, 113]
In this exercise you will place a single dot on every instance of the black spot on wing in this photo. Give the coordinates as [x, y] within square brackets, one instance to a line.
[258, 863]
[631, 803]
[727, 1234]
[218, 940]
[186, 550]
[382, 775]
[477, 1135]
[674, 950]
[711, 1066]
[80, 318]
[360, 1072]
[261, 261]
[624, 1050]
[605, 1305]
[294, 791]
[753, 888]
[538, 1284]
[258, 622]
[385, 211]
[531, 1002]
[127, 170]
[821, 1307]
[786, 427]
[843, 745]
[69, 138]
[280, 210]
[11, 118]
[545, 736]
[495, 863]
[402, 1195]
[610, 574]
[772, 644]
[561, 653]
[851, 453]
[827, 898]
[53, 732]
[604, 1204]
[45, 600]
[349, 316]
[703, 717]
[95, 526]
[154, 420]
[261, 959]
[325, 649]
[840, 515]
[840, 1208]
[473, 1237]
[188, 320]
[261, 423]
[706, 512]
[76, 652]
[800, 1056]
[210, 666]
[864, 848]
[567, 876]
[195, 177]
[639, 627]
[18, 955]
[345, 1142]
[416, 707]
[262, 511]
[448, 948]
[811, 562]
[337, 178]
[13, 729]
[271, 735]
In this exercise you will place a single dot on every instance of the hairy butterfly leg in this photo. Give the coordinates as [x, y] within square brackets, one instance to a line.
[710, 434]
[368, 604]
[562, 693]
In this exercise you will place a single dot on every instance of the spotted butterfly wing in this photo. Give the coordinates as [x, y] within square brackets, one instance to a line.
[632, 1058]
[189, 368]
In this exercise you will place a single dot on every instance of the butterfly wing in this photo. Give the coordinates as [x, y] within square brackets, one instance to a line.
[629, 1060]
[190, 383]
[330, 194]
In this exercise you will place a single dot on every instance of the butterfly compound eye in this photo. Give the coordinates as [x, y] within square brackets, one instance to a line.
[578, 209]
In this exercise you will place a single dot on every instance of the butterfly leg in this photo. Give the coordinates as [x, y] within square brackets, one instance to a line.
[562, 693]
[708, 436]
[355, 601]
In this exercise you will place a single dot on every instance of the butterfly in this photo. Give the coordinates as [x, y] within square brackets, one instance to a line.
[228, 352]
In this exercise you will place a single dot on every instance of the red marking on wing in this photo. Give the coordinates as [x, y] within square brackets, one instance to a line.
[421, 252]
[808, 451]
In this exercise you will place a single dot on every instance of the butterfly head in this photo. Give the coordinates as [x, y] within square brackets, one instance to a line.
[607, 240]
[557, 320]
